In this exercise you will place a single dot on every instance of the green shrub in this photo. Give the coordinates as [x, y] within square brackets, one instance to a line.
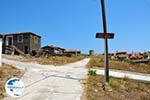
[92, 72]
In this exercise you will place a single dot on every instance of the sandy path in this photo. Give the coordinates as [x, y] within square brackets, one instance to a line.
[44, 82]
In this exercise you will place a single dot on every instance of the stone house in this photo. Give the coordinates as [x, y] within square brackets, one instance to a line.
[51, 50]
[72, 52]
[21, 43]
[120, 55]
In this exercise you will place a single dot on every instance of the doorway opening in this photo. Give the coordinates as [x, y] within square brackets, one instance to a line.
[26, 49]
[9, 40]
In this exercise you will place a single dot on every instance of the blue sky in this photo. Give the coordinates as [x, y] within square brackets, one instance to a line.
[72, 24]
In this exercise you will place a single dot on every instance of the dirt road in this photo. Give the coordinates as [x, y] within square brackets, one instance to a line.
[45, 82]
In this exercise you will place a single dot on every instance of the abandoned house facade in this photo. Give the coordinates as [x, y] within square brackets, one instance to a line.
[51, 50]
[72, 52]
[21, 43]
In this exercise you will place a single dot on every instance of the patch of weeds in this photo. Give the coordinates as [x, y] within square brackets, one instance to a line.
[58, 60]
[126, 65]
[129, 61]
[6, 72]
[122, 89]
[95, 61]
[1, 73]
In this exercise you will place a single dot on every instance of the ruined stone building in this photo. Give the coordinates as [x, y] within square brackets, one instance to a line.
[21, 43]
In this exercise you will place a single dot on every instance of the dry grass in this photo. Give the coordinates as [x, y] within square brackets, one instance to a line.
[58, 60]
[119, 65]
[7, 72]
[95, 61]
[121, 89]
[53, 60]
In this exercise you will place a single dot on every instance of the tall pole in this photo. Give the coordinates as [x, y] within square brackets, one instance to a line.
[1, 51]
[106, 62]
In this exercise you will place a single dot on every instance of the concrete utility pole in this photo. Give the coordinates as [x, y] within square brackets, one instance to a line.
[1, 51]
[106, 36]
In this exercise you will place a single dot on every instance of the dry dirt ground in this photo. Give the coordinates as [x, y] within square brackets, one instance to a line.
[47, 82]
